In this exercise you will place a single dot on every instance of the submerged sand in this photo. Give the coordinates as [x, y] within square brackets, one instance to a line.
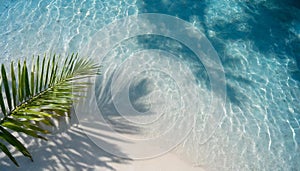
[71, 149]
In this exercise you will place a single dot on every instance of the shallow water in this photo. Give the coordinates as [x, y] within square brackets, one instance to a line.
[258, 44]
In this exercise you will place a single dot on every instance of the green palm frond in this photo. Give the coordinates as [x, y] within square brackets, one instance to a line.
[32, 97]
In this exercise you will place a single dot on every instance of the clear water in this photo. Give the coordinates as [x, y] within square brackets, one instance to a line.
[259, 46]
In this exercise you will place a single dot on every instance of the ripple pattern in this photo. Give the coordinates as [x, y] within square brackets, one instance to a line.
[258, 44]
[34, 27]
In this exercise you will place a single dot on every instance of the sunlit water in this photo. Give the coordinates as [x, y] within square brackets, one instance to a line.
[257, 42]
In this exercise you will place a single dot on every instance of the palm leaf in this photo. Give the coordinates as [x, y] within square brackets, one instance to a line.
[37, 96]
[7, 152]
[6, 86]
[13, 84]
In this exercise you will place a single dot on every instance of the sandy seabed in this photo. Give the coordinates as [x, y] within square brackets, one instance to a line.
[69, 148]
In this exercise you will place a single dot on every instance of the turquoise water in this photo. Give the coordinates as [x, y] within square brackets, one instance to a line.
[258, 43]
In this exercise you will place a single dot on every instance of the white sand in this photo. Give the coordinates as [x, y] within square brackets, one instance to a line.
[73, 150]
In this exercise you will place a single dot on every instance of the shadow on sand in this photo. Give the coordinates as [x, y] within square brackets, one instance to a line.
[68, 148]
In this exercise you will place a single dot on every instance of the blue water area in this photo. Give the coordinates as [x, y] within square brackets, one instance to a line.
[258, 43]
